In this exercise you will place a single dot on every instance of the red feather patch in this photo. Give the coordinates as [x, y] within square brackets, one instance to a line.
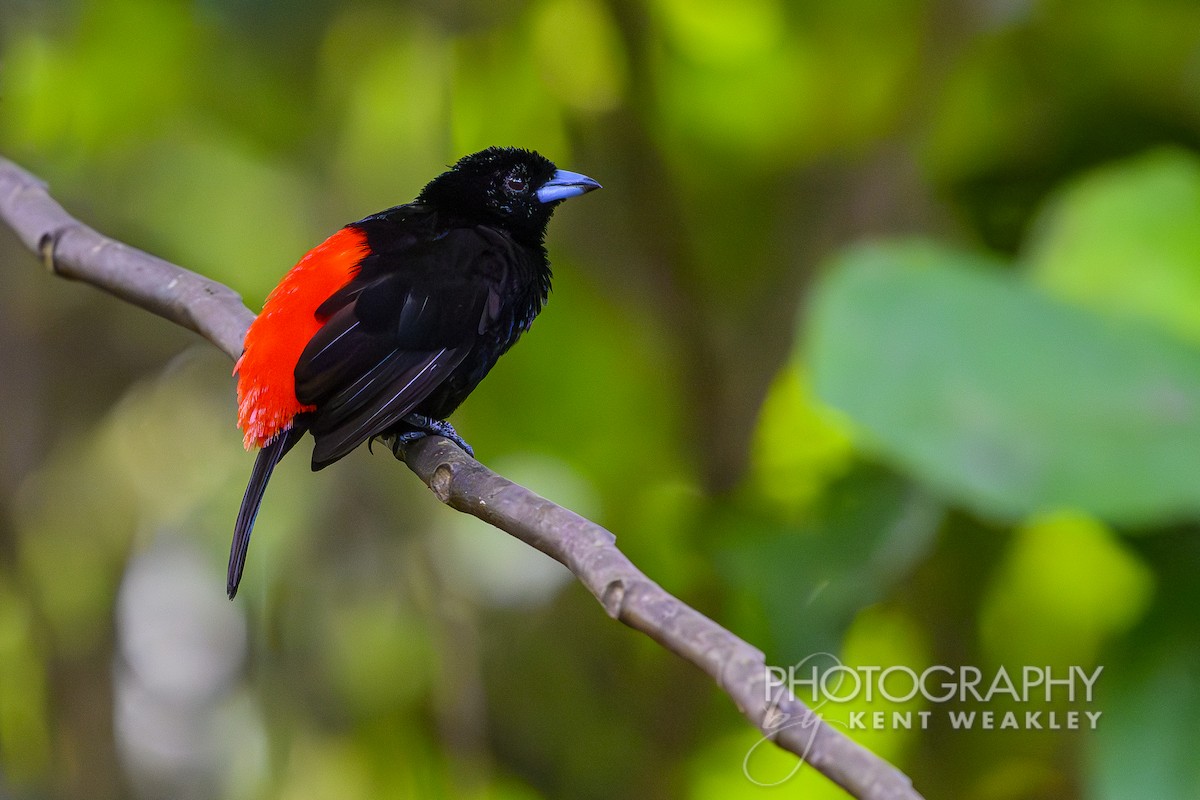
[266, 390]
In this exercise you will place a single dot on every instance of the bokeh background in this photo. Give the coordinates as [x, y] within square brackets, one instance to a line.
[882, 340]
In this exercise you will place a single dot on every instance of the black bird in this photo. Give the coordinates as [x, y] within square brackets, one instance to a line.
[386, 327]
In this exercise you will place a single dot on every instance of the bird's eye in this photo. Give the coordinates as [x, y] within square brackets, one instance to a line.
[515, 183]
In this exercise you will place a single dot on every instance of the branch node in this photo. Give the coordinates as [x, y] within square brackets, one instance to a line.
[613, 599]
[440, 482]
[47, 245]
[773, 716]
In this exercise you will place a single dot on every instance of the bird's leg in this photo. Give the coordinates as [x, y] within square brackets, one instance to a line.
[427, 426]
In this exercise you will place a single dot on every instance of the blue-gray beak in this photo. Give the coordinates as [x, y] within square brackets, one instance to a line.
[564, 184]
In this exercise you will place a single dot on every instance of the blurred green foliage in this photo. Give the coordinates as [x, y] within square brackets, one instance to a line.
[881, 341]
[1002, 397]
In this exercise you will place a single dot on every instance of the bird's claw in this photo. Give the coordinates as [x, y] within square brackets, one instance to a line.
[427, 426]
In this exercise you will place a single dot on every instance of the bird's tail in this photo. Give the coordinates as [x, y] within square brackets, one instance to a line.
[264, 465]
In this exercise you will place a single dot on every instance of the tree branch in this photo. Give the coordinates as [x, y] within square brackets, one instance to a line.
[72, 250]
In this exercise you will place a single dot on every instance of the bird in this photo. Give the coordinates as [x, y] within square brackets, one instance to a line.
[383, 329]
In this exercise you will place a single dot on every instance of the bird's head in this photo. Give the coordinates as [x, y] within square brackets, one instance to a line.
[517, 188]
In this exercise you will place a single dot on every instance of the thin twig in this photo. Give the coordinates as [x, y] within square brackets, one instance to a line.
[73, 250]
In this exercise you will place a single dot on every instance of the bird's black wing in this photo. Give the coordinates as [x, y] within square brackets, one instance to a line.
[395, 333]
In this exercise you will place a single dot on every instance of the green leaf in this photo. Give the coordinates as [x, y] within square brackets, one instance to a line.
[1126, 240]
[1107, 589]
[799, 445]
[1003, 399]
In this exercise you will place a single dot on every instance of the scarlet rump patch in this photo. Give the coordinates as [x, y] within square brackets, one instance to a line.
[266, 389]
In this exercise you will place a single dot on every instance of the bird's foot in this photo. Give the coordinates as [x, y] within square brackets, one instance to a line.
[427, 426]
